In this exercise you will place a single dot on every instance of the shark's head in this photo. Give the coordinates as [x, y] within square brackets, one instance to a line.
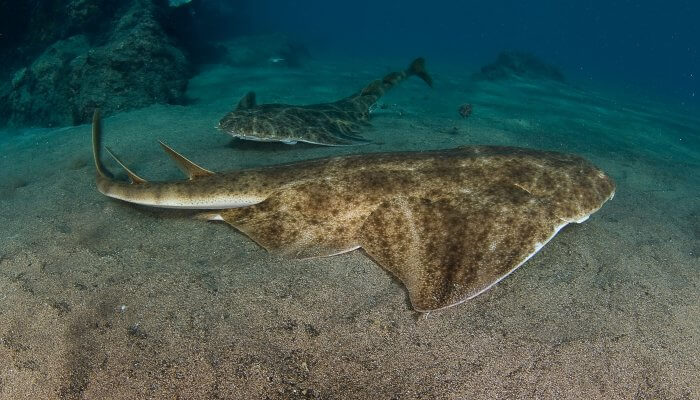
[337, 123]
[257, 122]
[323, 124]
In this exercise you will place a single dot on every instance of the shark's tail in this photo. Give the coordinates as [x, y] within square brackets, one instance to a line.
[138, 190]
[381, 86]
[190, 169]
[103, 174]
[102, 171]
[417, 68]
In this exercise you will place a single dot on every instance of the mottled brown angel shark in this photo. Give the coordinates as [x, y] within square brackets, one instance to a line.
[448, 223]
[330, 124]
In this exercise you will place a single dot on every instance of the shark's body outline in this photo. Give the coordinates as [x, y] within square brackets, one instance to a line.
[337, 123]
[448, 223]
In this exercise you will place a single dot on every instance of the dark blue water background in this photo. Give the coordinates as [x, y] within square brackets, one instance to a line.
[647, 46]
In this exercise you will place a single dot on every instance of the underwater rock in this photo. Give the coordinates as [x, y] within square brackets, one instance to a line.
[40, 93]
[465, 110]
[274, 49]
[511, 64]
[28, 27]
[129, 62]
[137, 67]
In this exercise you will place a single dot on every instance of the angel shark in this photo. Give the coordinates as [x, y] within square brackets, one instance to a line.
[330, 124]
[448, 223]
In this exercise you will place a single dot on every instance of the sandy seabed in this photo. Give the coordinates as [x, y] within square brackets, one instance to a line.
[102, 299]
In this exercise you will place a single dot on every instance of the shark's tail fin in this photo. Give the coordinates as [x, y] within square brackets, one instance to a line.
[381, 86]
[103, 173]
[417, 68]
[97, 147]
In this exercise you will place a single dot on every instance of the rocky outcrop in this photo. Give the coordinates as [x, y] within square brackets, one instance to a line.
[510, 64]
[100, 55]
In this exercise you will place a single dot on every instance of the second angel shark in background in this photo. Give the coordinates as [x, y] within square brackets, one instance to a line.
[330, 124]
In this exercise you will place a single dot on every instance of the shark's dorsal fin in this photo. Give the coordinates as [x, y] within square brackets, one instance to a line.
[247, 101]
[134, 178]
[190, 169]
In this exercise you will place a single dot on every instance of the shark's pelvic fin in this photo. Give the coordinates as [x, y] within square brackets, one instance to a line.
[190, 169]
[134, 178]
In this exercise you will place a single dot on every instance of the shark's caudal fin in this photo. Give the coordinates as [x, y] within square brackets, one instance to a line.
[417, 68]
[102, 171]
[191, 169]
[379, 87]
[97, 147]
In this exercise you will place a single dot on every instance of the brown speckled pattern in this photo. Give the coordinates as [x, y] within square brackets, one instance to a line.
[452, 249]
[448, 223]
[331, 124]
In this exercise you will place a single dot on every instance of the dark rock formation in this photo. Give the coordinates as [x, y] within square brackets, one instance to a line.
[61, 59]
[27, 27]
[511, 64]
[465, 110]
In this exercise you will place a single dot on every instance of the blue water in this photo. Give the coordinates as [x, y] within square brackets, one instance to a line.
[645, 45]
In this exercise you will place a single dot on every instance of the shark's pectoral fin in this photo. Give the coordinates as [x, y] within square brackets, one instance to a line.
[190, 169]
[449, 250]
[312, 219]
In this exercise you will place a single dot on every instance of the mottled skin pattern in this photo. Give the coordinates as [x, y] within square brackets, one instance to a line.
[448, 223]
[331, 124]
